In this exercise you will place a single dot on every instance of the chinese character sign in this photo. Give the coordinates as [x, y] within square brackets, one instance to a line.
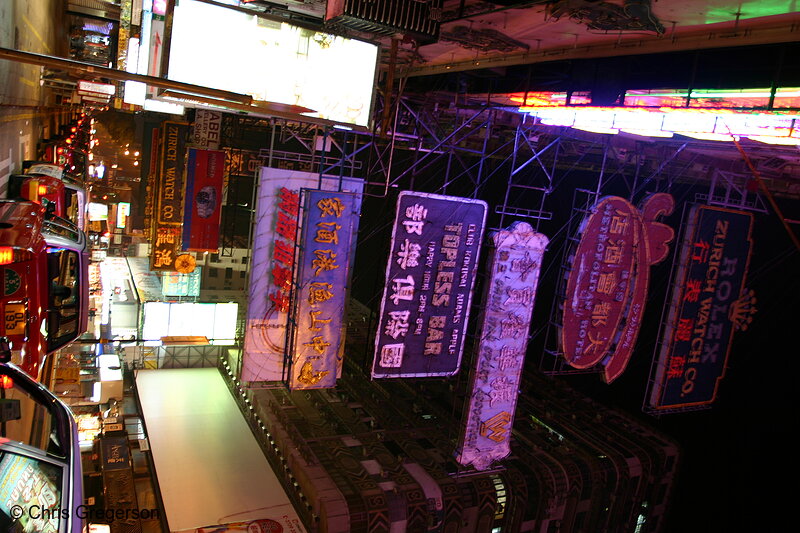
[165, 248]
[510, 293]
[607, 284]
[273, 262]
[165, 238]
[321, 288]
[708, 303]
[115, 453]
[429, 280]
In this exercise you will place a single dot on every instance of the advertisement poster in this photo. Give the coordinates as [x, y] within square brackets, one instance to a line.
[31, 485]
[205, 172]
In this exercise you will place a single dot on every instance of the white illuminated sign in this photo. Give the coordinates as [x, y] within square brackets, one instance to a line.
[217, 322]
[495, 381]
[272, 61]
[85, 86]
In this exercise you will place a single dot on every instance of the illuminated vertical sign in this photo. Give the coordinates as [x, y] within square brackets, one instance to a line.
[511, 291]
[322, 273]
[607, 284]
[708, 304]
[205, 171]
[272, 261]
[170, 193]
[123, 212]
[164, 248]
[165, 244]
[429, 279]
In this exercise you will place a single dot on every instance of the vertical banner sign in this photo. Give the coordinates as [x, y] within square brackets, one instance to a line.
[205, 172]
[272, 264]
[511, 291]
[168, 204]
[170, 194]
[708, 304]
[608, 281]
[206, 129]
[429, 279]
[322, 274]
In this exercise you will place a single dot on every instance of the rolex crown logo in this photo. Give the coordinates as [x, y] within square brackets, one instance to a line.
[742, 310]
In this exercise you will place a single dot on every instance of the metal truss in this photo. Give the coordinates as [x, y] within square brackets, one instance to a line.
[190, 356]
[734, 191]
[506, 158]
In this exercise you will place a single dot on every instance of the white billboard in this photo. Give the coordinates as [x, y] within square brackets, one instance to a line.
[228, 49]
[217, 321]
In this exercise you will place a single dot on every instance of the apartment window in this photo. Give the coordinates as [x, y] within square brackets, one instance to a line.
[244, 260]
[214, 258]
[228, 273]
[213, 272]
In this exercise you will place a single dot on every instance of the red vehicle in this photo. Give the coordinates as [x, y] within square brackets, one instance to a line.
[44, 183]
[45, 282]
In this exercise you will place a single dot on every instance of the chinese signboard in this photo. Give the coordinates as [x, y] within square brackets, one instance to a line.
[321, 289]
[206, 129]
[273, 258]
[607, 285]
[511, 290]
[165, 248]
[205, 171]
[165, 241]
[708, 304]
[243, 161]
[429, 280]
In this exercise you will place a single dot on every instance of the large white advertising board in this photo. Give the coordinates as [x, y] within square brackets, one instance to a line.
[228, 49]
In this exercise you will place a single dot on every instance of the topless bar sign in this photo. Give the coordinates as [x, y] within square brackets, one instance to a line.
[708, 304]
[429, 280]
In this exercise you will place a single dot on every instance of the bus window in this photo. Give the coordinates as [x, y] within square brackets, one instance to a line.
[62, 312]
